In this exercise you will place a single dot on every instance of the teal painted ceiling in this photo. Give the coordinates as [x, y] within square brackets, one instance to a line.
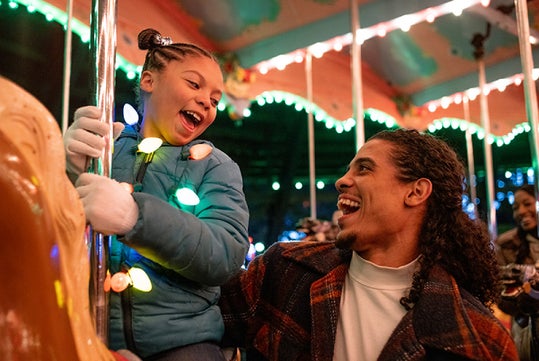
[426, 63]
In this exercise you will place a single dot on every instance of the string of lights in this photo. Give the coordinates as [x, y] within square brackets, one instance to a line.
[403, 23]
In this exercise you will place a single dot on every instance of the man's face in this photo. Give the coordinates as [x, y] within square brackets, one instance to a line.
[375, 217]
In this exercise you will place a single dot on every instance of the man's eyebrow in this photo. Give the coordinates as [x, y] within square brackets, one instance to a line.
[363, 160]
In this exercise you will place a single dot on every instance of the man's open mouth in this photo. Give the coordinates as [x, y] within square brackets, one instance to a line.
[348, 206]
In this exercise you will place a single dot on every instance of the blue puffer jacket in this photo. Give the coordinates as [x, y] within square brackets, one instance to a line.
[187, 251]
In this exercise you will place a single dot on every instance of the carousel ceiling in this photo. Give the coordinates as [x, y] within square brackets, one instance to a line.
[420, 62]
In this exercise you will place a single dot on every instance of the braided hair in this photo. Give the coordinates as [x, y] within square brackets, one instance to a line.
[449, 237]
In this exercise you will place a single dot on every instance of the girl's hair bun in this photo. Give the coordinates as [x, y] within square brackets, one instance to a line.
[151, 38]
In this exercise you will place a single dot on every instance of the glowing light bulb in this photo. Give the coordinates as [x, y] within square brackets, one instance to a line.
[199, 151]
[187, 196]
[150, 145]
[430, 17]
[457, 11]
[260, 247]
[140, 279]
[130, 114]
[135, 277]
[119, 281]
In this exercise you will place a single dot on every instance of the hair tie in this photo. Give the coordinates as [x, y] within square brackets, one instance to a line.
[163, 40]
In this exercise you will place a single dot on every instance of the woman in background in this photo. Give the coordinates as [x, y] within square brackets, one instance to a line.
[520, 246]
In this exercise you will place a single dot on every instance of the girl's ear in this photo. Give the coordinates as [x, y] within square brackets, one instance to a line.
[147, 81]
[419, 192]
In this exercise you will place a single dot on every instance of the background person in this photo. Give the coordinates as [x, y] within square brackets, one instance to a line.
[410, 276]
[520, 246]
[187, 251]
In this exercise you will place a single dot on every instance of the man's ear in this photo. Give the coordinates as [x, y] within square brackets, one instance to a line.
[146, 81]
[420, 191]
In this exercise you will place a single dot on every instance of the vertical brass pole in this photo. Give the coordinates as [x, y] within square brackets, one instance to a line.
[310, 120]
[67, 67]
[530, 92]
[485, 122]
[469, 154]
[103, 51]
[357, 93]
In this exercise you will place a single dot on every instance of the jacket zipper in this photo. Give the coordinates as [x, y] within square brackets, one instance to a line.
[127, 313]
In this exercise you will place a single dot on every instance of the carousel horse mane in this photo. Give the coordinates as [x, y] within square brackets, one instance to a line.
[44, 301]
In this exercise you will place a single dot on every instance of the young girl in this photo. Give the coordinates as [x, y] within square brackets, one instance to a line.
[187, 248]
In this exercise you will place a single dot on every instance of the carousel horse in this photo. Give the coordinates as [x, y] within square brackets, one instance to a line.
[44, 267]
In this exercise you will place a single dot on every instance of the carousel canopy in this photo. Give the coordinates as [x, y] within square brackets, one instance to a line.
[419, 68]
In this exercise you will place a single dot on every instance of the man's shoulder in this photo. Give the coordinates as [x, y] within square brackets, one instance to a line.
[321, 256]
[302, 248]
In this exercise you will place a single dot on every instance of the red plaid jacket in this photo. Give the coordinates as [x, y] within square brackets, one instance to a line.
[286, 307]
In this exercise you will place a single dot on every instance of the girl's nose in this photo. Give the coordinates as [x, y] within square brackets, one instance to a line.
[203, 100]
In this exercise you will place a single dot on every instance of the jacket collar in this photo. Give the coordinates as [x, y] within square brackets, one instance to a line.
[321, 257]
[325, 292]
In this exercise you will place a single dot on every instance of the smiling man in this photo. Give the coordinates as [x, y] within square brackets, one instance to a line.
[410, 277]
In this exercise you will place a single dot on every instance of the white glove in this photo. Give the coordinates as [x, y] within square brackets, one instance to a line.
[86, 137]
[109, 206]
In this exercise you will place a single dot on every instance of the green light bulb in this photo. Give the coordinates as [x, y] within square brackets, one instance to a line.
[187, 197]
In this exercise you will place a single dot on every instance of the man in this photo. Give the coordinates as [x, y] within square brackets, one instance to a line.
[410, 276]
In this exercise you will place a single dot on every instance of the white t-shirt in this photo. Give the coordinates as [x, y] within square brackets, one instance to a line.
[370, 308]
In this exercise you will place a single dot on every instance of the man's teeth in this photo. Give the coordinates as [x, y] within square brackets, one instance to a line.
[349, 203]
[348, 206]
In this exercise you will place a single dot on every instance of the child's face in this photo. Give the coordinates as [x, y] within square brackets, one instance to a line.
[182, 99]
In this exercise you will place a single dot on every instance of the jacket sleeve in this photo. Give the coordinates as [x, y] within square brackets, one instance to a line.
[239, 303]
[507, 247]
[207, 246]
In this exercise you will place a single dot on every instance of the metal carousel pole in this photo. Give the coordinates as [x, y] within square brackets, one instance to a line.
[469, 154]
[357, 93]
[478, 43]
[103, 52]
[310, 120]
[531, 113]
[67, 67]
[530, 93]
